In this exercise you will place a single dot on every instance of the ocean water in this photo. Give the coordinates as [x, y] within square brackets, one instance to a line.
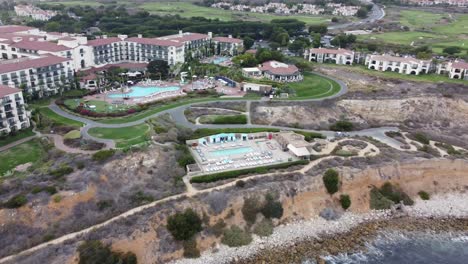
[409, 248]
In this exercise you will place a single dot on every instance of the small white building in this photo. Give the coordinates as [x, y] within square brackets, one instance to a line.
[455, 69]
[337, 56]
[255, 87]
[13, 114]
[404, 65]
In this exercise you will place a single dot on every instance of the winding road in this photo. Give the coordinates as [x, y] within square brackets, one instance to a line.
[177, 114]
[376, 13]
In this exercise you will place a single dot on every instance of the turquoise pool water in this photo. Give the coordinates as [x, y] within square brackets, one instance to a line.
[220, 60]
[233, 151]
[139, 91]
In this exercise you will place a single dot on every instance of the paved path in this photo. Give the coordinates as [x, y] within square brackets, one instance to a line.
[377, 13]
[190, 192]
[16, 143]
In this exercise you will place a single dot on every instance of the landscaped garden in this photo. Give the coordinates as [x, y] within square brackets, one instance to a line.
[313, 87]
[12, 137]
[223, 119]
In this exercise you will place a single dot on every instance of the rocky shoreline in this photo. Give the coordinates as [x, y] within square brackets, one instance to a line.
[317, 237]
[354, 240]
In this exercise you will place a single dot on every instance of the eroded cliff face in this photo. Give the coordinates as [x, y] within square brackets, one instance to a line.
[303, 197]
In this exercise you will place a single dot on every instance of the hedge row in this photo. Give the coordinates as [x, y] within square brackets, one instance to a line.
[233, 174]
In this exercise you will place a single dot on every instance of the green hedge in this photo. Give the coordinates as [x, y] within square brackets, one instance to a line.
[233, 174]
[310, 136]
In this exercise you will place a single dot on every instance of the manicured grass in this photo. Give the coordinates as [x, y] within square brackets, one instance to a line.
[58, 118]
[19, 135]
[74, 134]
[125, 136]
[187, 9]
[437, 30]
[314, 86]
[30, 151]
[203, 132]
[223, 119]
[100, 106]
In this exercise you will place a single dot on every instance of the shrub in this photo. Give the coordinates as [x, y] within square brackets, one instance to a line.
[141, 198]
[395, 194]
[61, 171]
[345, 201]
[421, 138]
[264, 228]
[424, 195]
[342, 125]
[80, 165]
[190, 249]
[184, 226]
[104, 204]
[310, 136]
[184, 156]
[240, 184]
[218, 228]
[233, 119]
[378, 201]
[103, 155]
[272, 208]
[250, 209]
[94, 252]
[233, 174]
[57, 198]
[331, 181]
[236, 237]
[16, 201]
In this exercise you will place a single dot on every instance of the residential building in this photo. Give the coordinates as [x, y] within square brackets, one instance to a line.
[13, 114]
[43, 75]
[228, 45]
[455, 69]
[337, 56]
[34, 12]
[404, 65]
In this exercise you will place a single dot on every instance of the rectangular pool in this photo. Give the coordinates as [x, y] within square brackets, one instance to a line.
[139, 91]
[232, 151]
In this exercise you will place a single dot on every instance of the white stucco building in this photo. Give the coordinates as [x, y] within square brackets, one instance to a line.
[337, 56]
[13, 115]
[404, 65]
[455, 69]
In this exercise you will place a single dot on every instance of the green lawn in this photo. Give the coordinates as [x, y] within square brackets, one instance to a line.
[19, 135]
[314, 86]
[124, 137]
[100, 106]
[223, 119]
[58, 118]
[188, 9]
[437, 30]
[30, 151]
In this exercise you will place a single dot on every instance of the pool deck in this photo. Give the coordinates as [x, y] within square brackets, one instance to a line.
[264, 152]
[105, 95]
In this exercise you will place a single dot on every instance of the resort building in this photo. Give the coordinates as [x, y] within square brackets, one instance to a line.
[337, 56]
[13, 115]
[295, 143]
[280, 72]
[275, 71]
[34, 12]
[228, 45]
[256, 87]
[195, 43]
[405, 65]
[41, 76]
[147, 49]
[455, 69]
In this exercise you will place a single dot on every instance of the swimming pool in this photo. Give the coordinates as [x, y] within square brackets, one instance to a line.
[232, 151]
[220, 60]
[139, 91]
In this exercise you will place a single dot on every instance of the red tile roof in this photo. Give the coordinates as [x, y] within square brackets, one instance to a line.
[28, 63]
[227, 39]
[155, 41]
[40, 45]
[279, 68]
[103, 41]
[7, 90]
[13, 28]
[331, 51]
[460, 65]
[251, 51]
